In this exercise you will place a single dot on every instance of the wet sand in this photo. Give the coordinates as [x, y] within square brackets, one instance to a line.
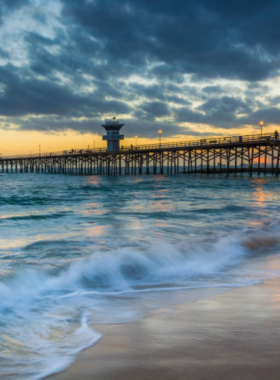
[234, 335]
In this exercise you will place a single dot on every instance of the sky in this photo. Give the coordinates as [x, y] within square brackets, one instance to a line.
[190, 68]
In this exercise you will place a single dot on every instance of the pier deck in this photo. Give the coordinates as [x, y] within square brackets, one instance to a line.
[250, 153]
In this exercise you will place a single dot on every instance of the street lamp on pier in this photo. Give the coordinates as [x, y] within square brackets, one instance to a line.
[136, 137]
[261, 124]
[39, 150]
[159, 137]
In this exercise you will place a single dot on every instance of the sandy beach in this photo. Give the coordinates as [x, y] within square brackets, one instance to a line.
[234, 335]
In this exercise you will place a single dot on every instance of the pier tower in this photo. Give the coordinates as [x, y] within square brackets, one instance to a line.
[113, 136]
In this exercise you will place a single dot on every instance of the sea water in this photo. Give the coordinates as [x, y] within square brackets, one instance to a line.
[78, 251]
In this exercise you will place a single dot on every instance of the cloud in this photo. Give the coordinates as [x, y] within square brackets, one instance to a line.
[143, 128]
[270, 115]
[205, 38]
[217, 111]
[155, 109]
[191, 62]
[7, 6]
[23, 96]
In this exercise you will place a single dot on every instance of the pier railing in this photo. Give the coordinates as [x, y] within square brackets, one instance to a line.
[201, 142]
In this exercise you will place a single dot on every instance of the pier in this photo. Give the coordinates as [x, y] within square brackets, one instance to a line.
[250, 153]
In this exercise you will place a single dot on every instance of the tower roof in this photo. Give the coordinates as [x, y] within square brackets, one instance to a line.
[112, 125]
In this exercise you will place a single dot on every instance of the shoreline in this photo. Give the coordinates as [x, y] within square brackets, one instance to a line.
[233, 335]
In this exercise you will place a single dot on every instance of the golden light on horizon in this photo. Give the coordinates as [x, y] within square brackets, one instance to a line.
[16, 142]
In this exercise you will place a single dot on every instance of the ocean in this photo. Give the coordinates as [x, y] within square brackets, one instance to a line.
[79, 251]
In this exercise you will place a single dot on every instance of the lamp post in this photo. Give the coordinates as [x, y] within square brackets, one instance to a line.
[39, 150]
[159, 137]
[136, 137]
[261, 124]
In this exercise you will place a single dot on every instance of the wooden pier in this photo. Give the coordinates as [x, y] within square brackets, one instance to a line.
[254, 153]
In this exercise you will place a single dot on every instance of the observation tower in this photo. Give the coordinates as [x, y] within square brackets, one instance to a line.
[113, 136]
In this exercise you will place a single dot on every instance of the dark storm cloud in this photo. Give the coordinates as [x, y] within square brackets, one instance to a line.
[154, 92]
[188, 115]
[271, 115]
[13, 4]
[208, 38]
[33, 96]
[227, 112]
[7, 6]
[143, 128]
[51, 124]
[224, 109]
[149, 129]
[225, 105]
[81, 68]
[155, 109]
[72, 55]
[164, 93]
[222, 112]
[4, 54]
[275, 101]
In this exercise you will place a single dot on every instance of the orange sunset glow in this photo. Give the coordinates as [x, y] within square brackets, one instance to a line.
[15, 142]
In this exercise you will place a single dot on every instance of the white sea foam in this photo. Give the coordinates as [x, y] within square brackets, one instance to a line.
[41, 345]
[128, 269]
[44, 314]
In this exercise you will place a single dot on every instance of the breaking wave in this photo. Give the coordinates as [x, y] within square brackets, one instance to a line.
[44, 313]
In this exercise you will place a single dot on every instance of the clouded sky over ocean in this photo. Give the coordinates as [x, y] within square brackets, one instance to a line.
[188, 67]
